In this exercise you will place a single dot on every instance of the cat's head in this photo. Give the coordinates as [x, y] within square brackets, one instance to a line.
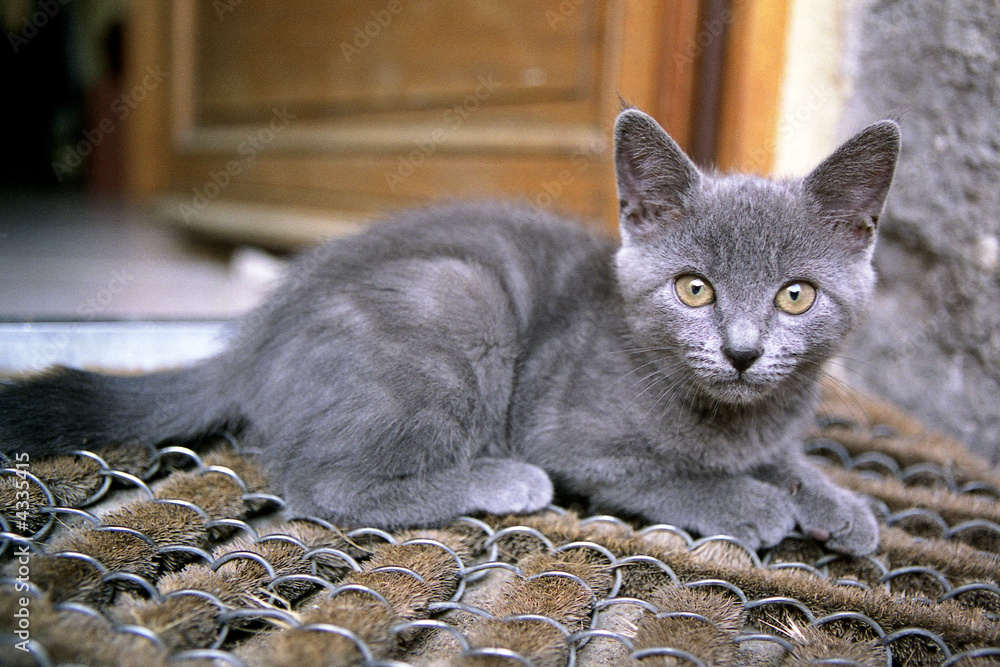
[742, 283]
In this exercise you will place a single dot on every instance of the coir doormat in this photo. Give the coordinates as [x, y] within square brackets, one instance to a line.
[184, 558]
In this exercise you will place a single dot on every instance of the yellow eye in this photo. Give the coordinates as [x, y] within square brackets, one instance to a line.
[694, 290]
[795, 298]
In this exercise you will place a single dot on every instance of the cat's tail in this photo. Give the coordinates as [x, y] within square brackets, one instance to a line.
[66, 409]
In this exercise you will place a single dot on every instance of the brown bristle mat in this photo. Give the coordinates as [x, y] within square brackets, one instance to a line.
[173, 557]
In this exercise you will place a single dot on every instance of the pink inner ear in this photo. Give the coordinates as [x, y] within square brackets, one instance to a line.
[863, 231]
[857, 230]
[628, 187]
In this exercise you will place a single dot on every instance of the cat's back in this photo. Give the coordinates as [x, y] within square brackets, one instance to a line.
[430, 266]
[491, 233]
[536, 255]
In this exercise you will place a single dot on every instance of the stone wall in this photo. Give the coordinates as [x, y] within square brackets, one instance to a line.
[932, 343]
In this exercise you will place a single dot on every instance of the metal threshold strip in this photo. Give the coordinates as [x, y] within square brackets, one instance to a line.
[110, 345]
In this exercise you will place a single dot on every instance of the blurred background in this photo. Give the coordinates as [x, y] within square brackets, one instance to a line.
[161, 159]
[168, 140]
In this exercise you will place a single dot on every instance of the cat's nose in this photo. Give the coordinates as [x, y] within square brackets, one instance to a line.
[741, 358]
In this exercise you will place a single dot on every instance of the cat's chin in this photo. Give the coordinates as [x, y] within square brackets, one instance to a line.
[741, 392]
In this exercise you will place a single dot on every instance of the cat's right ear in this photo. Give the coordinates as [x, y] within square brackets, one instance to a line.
[849, 187]
[655, 177]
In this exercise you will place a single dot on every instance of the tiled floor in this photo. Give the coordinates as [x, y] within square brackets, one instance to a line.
[71, 258]
[82, 264]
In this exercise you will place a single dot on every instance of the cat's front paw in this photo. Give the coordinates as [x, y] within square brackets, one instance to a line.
[837, 517]
[502, 486]
[758, 515]
[763, 525]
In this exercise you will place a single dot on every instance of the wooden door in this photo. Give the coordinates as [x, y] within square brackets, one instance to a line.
[282, 122]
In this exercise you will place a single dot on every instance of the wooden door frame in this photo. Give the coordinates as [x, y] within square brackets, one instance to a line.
[751, 85]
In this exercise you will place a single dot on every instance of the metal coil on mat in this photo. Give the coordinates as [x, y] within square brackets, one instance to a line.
[184, 559]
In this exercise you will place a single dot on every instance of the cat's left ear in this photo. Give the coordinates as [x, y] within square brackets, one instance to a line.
[655, 177]
[849, 187]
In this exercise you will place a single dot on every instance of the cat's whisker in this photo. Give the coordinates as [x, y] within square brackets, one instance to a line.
[652, 378]
[637, 350]
[715, 411]
[671, 389]
[663, 374]
[844, 393]
[654, 362]
[669, 365]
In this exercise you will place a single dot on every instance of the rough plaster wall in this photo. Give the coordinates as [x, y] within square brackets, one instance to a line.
[932, 343]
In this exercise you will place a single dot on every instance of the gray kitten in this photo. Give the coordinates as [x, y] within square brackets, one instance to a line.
[469, 358]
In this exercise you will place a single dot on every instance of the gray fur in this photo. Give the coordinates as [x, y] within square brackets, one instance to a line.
[455, 360]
